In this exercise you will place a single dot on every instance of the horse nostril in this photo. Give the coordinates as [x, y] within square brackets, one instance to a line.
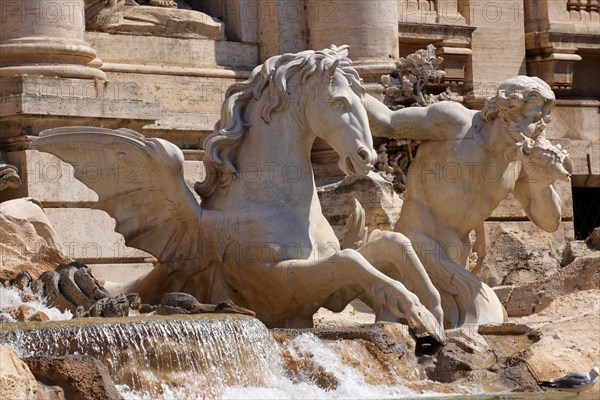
[363, 154]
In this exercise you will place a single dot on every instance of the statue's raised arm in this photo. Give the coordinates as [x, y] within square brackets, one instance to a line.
[445, 120]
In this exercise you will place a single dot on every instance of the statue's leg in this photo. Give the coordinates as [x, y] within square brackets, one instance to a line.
[393, 254]
[465, 299]
[312, 282]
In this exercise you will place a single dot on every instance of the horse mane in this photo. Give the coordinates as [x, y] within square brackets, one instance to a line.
[221, 146]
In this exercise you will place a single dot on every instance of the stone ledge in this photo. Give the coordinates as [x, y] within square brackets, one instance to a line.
[174, 52]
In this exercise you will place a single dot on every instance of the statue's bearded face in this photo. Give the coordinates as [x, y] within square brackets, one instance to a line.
[531, 120]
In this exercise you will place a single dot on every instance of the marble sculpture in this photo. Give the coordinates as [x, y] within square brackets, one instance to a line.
[258, 237]
[467, 163]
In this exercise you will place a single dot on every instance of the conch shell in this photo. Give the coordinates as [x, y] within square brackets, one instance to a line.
[549, 160]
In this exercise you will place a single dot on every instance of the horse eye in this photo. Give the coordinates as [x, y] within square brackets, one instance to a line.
[341, 104]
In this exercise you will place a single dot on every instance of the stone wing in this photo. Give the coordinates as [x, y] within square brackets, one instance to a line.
[139, 182]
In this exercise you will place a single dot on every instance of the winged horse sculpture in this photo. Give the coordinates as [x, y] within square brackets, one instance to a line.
[259, 236]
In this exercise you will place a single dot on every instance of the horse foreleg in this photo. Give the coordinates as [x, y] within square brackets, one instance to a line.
[310, 281]
[391, 248]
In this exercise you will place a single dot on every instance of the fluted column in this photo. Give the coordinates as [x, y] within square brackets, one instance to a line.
[45, 38]
[369, 27]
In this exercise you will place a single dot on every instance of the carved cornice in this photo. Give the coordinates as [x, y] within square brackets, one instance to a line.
[438, 34]
[555, 39]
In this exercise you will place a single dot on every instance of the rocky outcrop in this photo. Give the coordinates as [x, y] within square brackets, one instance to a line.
[183, 303]
[23, 249]
[80, 377]
[512, 253]
[569, 329]
[376, 195]
[16, 380]
[531, 298]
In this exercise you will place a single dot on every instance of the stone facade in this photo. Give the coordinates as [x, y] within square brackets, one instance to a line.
[172, 88]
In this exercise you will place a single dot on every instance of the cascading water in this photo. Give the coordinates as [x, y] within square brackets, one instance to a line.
[208, 356]
[196, 356]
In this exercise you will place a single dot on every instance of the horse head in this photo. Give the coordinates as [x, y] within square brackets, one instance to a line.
[321, 92]
[336, 113]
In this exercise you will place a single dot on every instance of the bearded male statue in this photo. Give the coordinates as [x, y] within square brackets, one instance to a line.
[467, 163]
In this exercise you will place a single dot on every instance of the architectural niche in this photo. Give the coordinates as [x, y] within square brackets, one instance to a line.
[441, 24]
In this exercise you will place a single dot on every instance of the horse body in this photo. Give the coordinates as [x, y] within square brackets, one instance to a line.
[273, 196]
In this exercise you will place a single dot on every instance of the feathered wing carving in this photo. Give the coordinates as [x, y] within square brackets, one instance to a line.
[140, 183]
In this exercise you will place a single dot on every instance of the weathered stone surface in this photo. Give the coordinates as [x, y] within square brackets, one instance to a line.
[22, 249]
[145, 50]
[50, 392]
[133, 19]
[465, 352]
[568, 334]
[183, 303]
[80, 101]
[373, 35]
[39, 317]
[22, 312]
[49, 180]
[581, 274]
[576, 120]
[89, 235]
[34, 43]
[50, 281]
[23, 281]
[120, 273]
[585, 158]
[16, 380]
[115, 306]
[376, 195]
[593, 241]
[579, 248]
[381, 352]
[491, 62]
[80, 377]
[512, 252]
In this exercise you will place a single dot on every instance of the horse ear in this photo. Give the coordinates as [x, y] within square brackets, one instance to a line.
[332, 68]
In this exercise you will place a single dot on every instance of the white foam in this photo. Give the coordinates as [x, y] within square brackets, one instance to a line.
[10, 299]
[352, 383]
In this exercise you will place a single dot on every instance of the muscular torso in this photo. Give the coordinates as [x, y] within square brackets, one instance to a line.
[454, 185]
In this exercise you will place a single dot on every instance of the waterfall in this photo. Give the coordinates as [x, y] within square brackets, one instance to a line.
[217, 357]
[197, 356]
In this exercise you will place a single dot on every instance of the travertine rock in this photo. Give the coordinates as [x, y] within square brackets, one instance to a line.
[593, 241]
[518, 253]
[581, 274]
[16, 380]
[23, 249]
[464, 353]
[376, 195]
[569, 329]
[126, 16]
[80, 377]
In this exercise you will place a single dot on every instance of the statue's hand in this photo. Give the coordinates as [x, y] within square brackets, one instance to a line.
[547, 162]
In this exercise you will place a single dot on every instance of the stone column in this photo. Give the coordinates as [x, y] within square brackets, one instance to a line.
[45, 37]
[369, 27]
